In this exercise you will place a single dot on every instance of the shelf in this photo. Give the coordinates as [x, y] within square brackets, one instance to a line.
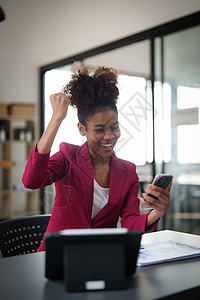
[4, 217]
[12, 117]
[28, 144]
[5, 143]
[6, 163]
[23, 214]
[5, 191]
[13, 157]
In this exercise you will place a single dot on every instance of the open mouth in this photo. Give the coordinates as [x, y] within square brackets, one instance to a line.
[108, 146]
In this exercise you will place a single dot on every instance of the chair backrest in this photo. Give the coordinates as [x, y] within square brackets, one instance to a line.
[22, 235]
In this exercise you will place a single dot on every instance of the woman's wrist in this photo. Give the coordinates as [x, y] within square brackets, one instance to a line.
[56, 119]
[152, 217]
[46, 141]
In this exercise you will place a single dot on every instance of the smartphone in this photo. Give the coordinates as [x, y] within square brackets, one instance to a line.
[161, 180]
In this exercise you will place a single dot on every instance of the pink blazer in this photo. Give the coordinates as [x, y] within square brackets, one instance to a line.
[71, 170]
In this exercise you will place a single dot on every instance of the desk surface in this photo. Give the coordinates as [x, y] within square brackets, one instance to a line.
[22, 277]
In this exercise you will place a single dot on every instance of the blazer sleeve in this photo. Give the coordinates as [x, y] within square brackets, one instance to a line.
[130, 213]
[42, 170]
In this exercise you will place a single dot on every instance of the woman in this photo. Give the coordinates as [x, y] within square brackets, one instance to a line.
[93, 187]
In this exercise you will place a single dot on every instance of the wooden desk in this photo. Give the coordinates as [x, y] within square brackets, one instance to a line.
[22, 277]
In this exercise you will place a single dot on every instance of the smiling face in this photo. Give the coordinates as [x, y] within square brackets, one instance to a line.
[102, 132]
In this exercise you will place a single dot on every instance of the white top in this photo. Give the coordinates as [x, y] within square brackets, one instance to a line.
[100, 198]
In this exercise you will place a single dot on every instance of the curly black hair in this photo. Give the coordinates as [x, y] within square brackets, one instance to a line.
[92, 90]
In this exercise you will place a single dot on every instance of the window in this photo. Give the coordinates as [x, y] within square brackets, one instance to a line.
[188, 142]
[135, 116]
[54, 81]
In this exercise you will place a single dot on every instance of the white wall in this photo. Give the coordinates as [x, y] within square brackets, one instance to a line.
[38, 32]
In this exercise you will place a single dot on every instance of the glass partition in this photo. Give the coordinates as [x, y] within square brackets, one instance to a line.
[178, 142]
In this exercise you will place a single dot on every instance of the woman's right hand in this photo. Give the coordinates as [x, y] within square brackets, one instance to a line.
[60, 103]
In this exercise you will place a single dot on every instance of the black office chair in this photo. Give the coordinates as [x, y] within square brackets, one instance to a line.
[22, 235]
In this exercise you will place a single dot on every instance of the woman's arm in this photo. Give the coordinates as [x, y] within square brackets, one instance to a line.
[40, 171]
[60, 103]
[130, 212]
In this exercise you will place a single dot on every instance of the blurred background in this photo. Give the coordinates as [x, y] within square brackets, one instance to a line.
[156, 47]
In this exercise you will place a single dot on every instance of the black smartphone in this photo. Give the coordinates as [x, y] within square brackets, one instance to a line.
[161, 180]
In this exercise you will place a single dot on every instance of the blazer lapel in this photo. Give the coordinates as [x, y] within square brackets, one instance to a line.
[86, 176]
[117, 177]
[117, 181]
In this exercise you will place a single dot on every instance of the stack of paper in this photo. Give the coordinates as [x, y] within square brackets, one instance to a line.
[165, 251]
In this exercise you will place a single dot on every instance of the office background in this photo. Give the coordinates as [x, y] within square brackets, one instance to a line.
[37, 33]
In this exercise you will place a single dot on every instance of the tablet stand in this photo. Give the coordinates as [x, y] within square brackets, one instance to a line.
[89, 267]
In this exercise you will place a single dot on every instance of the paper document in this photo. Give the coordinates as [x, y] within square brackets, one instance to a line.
[165, 251]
